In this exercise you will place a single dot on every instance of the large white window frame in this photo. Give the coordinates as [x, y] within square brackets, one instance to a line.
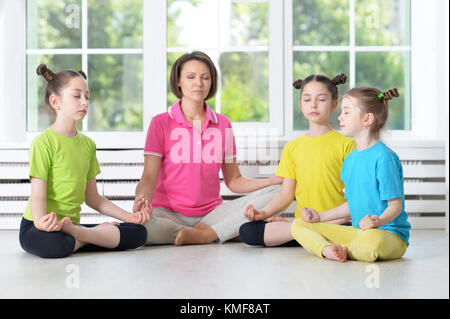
[428, 22]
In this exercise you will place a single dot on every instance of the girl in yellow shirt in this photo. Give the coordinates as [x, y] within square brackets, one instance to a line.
[310, 167]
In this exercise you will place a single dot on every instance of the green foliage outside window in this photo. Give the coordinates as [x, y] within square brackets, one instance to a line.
[115, 80]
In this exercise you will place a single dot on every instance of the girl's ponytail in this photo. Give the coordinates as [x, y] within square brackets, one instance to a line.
[389, 94]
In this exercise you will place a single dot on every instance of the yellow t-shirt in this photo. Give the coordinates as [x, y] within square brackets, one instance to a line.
[66, 164]
[315, 163]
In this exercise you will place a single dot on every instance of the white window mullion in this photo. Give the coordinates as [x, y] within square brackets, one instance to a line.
[276, 66]
[288, 67]
[352, 51]
[154, 15]
[223, 17]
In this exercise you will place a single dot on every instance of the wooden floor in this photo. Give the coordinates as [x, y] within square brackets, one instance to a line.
[229, 271]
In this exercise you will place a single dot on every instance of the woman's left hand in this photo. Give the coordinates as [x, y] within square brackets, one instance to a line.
[275, 180]
[369, 221]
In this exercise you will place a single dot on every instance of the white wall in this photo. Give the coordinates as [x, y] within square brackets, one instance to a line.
[443, 91]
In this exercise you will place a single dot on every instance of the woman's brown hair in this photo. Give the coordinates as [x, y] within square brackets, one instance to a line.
[178, 66]
[373, 100]
[56, 81]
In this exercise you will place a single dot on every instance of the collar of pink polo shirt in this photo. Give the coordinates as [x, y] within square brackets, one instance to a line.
[176, 113]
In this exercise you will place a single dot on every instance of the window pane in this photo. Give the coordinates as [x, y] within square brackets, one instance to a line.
[115, 82]
[249, 24]
[115, 24]
[320, 22]
[245, 86]
[53, 24]
[386, 70]
[39, 114]
[329, 64]
[383, 22]
[192, 23]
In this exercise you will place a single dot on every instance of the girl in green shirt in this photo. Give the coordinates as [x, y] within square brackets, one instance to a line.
[63, 167]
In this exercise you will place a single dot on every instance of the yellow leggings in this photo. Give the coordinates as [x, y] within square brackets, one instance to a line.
[364, 245]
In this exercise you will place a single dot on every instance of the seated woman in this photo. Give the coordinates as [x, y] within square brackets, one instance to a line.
[185, 150]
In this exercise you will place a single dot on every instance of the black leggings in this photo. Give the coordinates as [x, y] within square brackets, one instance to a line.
[58, 244]
[252, 233]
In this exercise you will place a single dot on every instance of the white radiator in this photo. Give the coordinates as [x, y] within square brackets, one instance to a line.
[424, 173]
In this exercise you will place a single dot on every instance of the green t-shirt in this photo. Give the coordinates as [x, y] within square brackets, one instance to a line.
[66, 164]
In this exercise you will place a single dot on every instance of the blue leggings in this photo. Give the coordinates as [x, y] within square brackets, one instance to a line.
[58, 244]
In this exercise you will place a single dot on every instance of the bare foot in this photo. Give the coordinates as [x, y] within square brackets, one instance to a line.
[183, 236]
[336, 252]
[199, 234]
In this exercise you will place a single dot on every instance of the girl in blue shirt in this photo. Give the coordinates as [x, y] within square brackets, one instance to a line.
[373, 178]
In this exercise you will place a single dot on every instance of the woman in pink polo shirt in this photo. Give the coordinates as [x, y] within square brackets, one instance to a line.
[185, 149]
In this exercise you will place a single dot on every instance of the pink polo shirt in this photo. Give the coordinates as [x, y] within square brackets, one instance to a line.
[188, 181]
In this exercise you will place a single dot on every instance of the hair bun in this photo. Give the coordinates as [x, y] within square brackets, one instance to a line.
[339, 79]
[298, 84]
[390, 94]
[45, 72]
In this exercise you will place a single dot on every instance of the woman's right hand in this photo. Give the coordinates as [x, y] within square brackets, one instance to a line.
[310, 215]
[48, 223]
[253, 214]
[139, 203]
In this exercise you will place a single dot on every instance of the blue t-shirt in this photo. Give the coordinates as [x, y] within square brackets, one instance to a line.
[372, 177]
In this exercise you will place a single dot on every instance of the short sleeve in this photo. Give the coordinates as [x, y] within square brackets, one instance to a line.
[154, 143]
[39, 156]
[286, 167]
[390, 179]
[349, 147]
[94, 168]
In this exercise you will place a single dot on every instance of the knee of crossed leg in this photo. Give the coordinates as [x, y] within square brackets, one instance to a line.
[371, 241]
[252, 233]
[142, 235]
[59, 249]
